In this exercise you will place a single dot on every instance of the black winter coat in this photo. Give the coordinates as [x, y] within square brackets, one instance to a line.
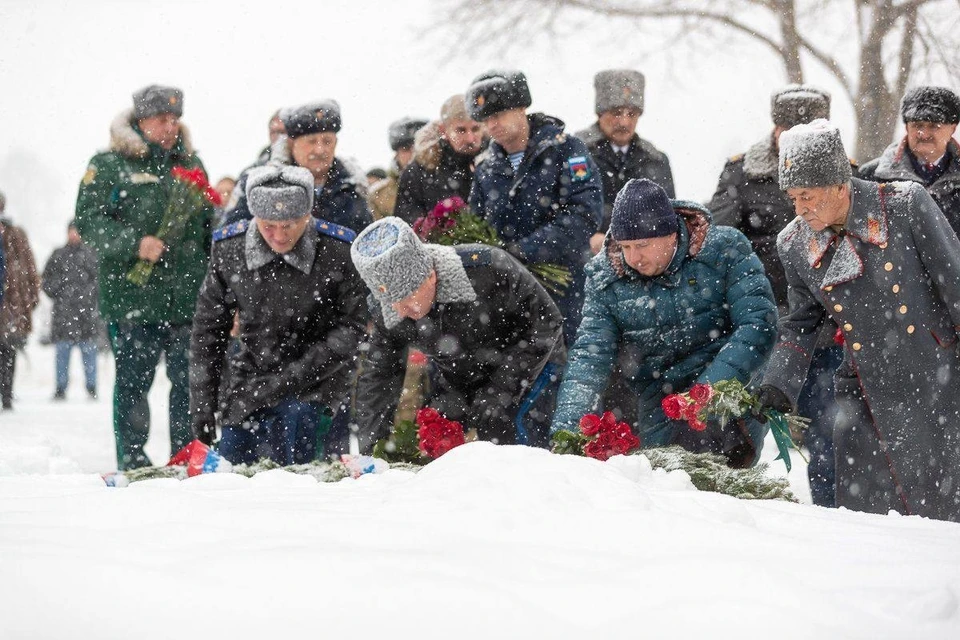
[70, 279]
[491, 331]
[299, 332]
[428, 180]
[642, 160]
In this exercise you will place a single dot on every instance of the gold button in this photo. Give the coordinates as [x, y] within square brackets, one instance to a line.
[888, 266]
[883, 245]
[838, 308]
[857, 346]
[911, 329]
[903, 308]
[828, 289]
[848, 327]
[896, 288]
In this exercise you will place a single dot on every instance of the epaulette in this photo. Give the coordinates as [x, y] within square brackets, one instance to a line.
[736, 158]
[231, 230]
[474, 257]
[346, 234]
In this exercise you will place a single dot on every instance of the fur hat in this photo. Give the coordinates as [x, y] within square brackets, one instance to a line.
[798, 104]
[156, 99]
[279, 192]
[391, 259]
[496, 91]
[642, 210]
[812, 155]
[618, 88]
[315, 117]
[402, 131]
[930, 104]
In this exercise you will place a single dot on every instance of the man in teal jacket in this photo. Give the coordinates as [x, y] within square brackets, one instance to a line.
[675, 301]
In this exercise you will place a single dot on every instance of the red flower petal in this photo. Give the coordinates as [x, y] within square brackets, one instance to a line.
[590, 424]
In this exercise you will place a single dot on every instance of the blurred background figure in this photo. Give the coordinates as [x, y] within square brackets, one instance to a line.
[375, 175]
[383, 194]
[70, 279]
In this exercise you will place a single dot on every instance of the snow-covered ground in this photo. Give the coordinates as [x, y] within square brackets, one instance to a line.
[486, 542]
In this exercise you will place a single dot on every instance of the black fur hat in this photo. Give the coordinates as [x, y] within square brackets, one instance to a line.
[496, 91]
[930, 104]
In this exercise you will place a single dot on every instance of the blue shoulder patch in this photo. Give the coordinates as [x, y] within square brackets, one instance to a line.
[230, 230]
[474, 257]
[579, 168]
[346, 234]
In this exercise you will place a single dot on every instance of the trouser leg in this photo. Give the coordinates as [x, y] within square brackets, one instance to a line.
[136, 351]
[176, 349]
[88, 352]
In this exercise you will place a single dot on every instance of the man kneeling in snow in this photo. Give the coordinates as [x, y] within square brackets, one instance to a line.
[494, 335]
[299, 301]
[680, 301]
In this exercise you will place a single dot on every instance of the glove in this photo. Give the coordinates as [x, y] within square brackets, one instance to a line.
[772, 398]
[206, 433]
[492, 421]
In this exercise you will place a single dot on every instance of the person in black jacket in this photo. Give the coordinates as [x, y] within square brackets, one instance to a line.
[70, 279]
[299, 302]
[492, 331]
[444, 153]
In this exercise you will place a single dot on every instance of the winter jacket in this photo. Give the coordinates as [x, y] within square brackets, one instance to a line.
[891, 281]
[341, 200]
[490, 333]
[302, 315]
[642, 160]
[894, 164]
[122, 198]
[70, 279]
[436, 172]
[546, 210]
[710, 316]
[382, 198]
[21, 287]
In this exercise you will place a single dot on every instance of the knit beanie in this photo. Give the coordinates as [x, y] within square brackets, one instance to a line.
[315, 117]
[402, 131]
[812, 155]
[391, 259]
[279, 192]
[642, 210]
[496, 91]
[618, 88]
[930, 104]
[155, 100]
[798, 104]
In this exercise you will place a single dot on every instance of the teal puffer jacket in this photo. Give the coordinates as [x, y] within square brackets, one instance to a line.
[710, 316]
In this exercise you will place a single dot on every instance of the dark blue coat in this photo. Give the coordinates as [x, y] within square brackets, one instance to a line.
[338, 201]
[710, 316]
[548, 209]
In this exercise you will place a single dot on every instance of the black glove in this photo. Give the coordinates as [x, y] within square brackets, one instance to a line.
[492, 421]
[772, 398]
[206, 433]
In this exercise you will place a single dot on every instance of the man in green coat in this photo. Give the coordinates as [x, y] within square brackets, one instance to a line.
[120, 210]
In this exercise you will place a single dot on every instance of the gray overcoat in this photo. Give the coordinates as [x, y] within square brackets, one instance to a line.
[891, 281]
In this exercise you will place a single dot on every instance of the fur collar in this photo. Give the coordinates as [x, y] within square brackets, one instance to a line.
[453, 285]
[762, 160]
[125, 140]
[893, 163]
[427, 151]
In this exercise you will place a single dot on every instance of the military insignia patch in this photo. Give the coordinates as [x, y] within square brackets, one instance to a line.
[346, 234]
[481, 101]
[90, 175]
[230, 230]
[579, 169]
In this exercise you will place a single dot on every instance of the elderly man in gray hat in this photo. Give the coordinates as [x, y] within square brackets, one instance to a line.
[749, 198]
[882, 262]
[300, 307]
[928, 154]
[492, 331]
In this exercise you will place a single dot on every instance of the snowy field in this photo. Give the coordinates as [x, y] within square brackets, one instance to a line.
[487, 542]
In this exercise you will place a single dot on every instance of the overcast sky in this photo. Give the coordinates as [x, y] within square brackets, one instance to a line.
[67, 68]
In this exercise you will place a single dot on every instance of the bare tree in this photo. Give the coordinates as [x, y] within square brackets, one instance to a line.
[873, 48]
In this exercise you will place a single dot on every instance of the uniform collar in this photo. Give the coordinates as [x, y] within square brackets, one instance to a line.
[258, 253]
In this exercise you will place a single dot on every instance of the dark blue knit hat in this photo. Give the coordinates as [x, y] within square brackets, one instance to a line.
[642, 210]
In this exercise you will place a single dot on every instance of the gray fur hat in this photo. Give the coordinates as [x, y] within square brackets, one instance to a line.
[618, 88]
[391, 259]
[279, 192]
[402, 131]
[798, 104]
[156, 99]
[496, 91]
[812, 155]
[930, 104]
[314, 117]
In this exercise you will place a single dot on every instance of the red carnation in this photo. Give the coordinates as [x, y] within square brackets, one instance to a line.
[697, 425]
[674, 406]
[701, 393]
[590, 424]
[437, 435]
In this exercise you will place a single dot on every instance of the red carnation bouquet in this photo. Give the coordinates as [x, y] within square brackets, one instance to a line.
[729, 399]
[429, 436]
[189, 195]
[600, 437]
[452, 223]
